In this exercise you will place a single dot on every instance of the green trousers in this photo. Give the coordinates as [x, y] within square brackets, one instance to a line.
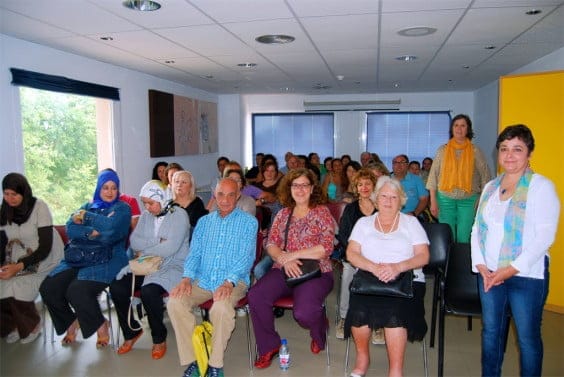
[459, 214]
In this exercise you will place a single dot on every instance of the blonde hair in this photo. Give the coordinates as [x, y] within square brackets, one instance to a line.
[192, 193]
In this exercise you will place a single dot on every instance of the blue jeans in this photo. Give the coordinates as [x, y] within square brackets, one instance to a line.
[263, 266]
[524, 299]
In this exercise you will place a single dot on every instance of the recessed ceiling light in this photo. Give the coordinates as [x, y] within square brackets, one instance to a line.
[275, 39]
[340, 77]
[142, 5]
[466, 66]
[207, 77]
[406, 58]
[532, 12]
[417, 31]
[396, 85]
[170, 61]
[247, 65]
[107, 38]
[490, 47]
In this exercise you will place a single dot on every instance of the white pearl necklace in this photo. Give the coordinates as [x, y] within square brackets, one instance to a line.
[391, 228]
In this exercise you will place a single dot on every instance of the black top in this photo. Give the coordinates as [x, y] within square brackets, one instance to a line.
[195, 210]
[350, 216]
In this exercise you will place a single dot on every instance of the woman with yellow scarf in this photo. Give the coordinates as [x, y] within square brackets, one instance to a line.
[457, 177]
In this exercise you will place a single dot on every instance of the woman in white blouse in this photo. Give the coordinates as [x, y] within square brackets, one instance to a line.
[515, 225]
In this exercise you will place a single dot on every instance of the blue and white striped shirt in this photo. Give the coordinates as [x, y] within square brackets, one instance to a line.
[222, 248]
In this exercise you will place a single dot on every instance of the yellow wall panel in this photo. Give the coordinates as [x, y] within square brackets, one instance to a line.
[537, 100]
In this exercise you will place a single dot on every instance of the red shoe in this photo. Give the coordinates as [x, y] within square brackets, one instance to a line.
[265, 360]
[158, 350]
[126, 347]
[315, 349]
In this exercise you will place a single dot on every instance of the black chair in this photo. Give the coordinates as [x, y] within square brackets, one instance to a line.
[459, 294]
[440, 238]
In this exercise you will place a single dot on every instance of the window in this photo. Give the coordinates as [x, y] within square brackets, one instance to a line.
[65, 139]
[416, 134]
[298, 133]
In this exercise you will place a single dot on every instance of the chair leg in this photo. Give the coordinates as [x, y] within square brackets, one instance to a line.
[469, 323]
[434, 311]
[440, 369]
[338, 304]
[111, 330]
[347, 348]
[425, 361]
[249, 346]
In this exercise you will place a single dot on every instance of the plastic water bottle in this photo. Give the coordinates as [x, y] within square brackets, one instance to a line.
[284, 355]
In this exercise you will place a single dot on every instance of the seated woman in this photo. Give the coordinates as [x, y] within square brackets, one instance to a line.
[163, 231]
[386, 244]
[29, 249]
[184, 194]
[71, 293]
[333, 181]
[305, 229]
[159, 173]
[347, 185]
[364, 183]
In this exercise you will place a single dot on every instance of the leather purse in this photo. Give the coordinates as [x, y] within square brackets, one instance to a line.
[365, 283]
[310, 269]
[86, 253]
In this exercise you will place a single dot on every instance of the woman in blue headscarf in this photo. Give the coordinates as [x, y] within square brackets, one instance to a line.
[71, 290]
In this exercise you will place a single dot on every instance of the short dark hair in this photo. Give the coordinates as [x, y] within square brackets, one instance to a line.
[221, 158]
[469, 133]
[519, 131]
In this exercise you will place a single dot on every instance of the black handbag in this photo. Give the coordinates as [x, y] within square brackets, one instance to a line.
[365, 283]
[86, 253]
[310, 267]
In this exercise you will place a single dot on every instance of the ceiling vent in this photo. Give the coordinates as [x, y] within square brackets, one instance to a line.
[375, 105]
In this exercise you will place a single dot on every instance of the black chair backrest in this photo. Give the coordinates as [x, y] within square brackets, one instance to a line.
[461, 284]
[440, 238]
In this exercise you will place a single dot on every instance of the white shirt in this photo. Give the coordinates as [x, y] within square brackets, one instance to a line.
[390, 247]
[539, 229]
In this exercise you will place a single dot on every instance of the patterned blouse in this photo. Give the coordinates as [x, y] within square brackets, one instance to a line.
[316, 228]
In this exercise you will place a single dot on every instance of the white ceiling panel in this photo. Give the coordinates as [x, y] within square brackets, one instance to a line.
[340, 32]
[332, 37]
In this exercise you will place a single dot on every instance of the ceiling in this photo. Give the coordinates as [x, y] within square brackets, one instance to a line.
[340, 47]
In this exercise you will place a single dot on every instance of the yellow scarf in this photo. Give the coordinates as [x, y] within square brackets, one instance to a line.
[456, 173]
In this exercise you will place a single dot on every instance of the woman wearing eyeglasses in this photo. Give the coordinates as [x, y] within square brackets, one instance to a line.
[304, 229]
[457, 176]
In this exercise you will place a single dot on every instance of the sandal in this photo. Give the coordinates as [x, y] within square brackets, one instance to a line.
[103, 340]
[71, 334]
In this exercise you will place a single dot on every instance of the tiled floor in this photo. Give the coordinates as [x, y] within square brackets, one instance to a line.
[462, 354]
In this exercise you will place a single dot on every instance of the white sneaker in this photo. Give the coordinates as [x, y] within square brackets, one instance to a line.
[13, 337]
[241, 312]
[378, 337]
[32, 335]
[340, 329]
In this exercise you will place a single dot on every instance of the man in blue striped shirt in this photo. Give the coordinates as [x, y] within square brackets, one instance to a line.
[218, 267]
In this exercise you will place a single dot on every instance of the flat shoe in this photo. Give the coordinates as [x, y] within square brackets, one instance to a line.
[265, 360]
[126, 347]
[32, 335]
[315, 349]
[13, 337]
[158, 351]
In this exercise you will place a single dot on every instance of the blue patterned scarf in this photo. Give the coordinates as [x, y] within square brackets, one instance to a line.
[513, 223]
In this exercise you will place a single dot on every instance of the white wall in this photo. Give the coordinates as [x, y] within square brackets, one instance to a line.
[132, 120]
[350, 126]
[486, 99]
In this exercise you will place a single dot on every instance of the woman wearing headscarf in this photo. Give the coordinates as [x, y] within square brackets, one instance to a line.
[29, 249]
[71, 293]
[163, 230]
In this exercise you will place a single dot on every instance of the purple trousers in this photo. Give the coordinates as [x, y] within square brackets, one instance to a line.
[308, 307]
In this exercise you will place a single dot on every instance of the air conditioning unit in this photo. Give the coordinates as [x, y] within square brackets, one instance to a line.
[375, 105]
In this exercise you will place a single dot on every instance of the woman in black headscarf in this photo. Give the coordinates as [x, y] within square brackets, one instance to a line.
[29, 249]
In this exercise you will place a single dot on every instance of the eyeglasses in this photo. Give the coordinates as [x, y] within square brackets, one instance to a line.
[398, 162]
[300, 186]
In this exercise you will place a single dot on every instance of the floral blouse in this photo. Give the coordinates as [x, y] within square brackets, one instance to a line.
[316, 228]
